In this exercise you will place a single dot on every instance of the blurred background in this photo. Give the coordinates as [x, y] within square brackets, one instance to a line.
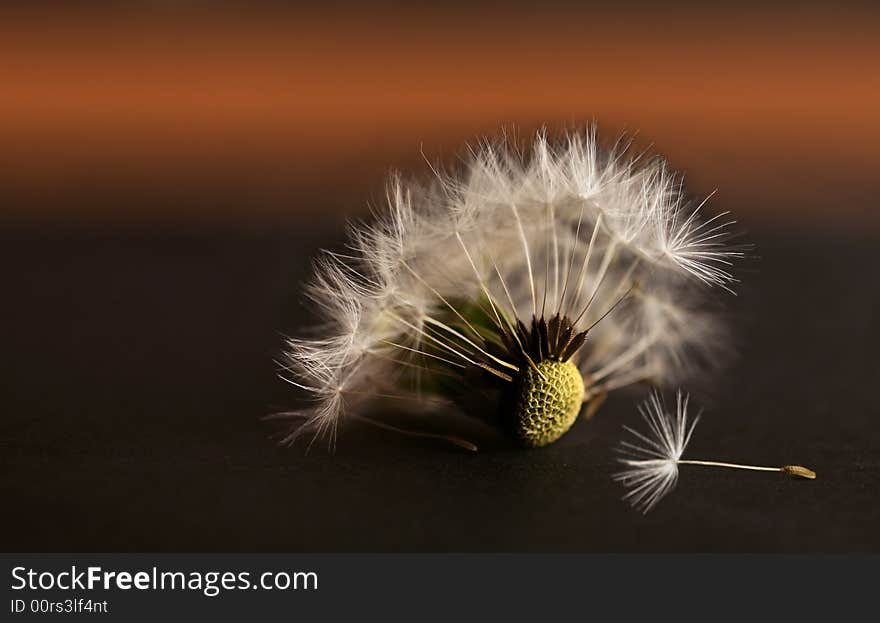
[256, 114]
[168, 170]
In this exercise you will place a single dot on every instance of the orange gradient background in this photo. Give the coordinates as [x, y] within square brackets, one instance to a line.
[257, 115]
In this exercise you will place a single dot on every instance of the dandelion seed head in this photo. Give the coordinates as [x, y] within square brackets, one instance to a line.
[517, 256]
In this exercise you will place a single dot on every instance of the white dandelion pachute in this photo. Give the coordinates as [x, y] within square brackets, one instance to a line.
[650, 461]
[516, 291]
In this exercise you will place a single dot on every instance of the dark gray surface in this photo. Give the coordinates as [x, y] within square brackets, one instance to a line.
[136, 369]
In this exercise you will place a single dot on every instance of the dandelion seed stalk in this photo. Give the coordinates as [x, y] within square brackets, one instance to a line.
[791, 470]
[453, 439]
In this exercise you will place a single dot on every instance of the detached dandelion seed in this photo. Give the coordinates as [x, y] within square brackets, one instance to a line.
[517, 291]
[651, 461]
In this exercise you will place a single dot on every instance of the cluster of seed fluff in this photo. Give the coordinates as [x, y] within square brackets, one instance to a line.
[563, 227]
